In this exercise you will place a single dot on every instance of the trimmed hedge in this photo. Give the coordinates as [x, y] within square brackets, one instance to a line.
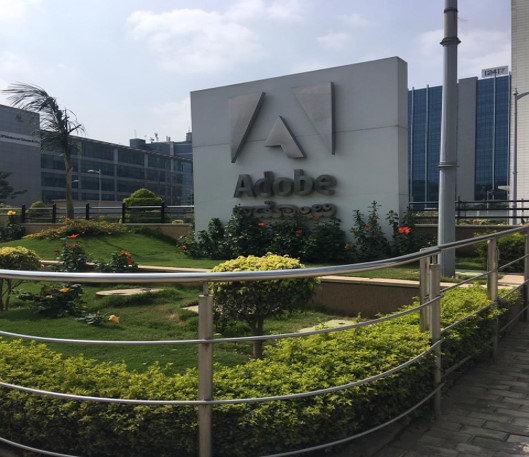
[510, 247]
[290, 366]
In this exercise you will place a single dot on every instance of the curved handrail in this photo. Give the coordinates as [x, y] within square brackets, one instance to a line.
[206, 277]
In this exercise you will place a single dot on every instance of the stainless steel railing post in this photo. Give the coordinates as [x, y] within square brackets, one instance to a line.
[435, 329]
[205, 372]
[492, 285]
[424, 293]
[526, 276]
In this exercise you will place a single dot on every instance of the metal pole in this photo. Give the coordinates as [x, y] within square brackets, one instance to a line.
[205, 372]
[514, 184]
[425, 316]
[492, 285]
[448, 153]
[492, 268]
[526, 276]
[435, 330]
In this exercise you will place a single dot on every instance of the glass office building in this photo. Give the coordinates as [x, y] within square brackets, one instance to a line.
[119, 170]
[483, 140]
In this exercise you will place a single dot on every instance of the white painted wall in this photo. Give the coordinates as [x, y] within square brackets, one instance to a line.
[370, 160]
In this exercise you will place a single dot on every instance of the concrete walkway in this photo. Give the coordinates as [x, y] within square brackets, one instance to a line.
[486, 413]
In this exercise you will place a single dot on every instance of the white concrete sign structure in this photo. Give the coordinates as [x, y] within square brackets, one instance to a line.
[319, 143]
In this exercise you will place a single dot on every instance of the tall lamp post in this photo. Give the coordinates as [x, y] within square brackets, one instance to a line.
[446, 232]
[514, 185]
[99, 186]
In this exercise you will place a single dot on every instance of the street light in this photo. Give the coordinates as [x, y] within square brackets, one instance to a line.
[99, 182]
[517, 96]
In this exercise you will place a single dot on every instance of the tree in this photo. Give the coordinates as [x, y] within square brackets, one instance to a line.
[56, 127]
[253, 302]
[15, 258]
[6, 190]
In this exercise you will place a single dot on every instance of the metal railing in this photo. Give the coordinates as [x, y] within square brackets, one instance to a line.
[430, 320]
[495, 211]
[52, 214]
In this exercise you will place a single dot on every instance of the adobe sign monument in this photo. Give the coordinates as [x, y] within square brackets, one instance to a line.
[318, 144]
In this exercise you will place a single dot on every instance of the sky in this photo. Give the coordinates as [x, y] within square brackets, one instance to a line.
[126, 67]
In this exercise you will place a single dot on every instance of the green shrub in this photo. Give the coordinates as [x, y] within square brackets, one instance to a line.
[369, 241]
[253, 302]
[79, 227]
[142, 197]
[240, 430]
[72, 257]
[405, 238]
[120, 262]
[15, 258]
[326, 242]
[57, 300]
[244, 235]
[11, 232]
[38, 212]
[510, 247]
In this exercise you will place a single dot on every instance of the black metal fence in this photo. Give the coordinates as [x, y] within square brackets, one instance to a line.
[477, 212]
[123, 213]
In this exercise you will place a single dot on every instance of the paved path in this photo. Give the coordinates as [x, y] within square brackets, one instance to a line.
[486, 413]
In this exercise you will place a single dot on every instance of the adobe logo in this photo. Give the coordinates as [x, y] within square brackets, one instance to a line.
[316, 101]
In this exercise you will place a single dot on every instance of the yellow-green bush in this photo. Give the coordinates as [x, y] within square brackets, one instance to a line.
[79, 227]
[253, 302]
[290, 366]
[15, 258]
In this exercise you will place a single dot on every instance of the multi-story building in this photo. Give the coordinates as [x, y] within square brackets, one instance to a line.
[493, 149]
[482, 140]
[102, 171]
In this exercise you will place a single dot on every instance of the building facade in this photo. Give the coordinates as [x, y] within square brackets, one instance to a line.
[102, 171]
[482, 140]
[313, 145]
[20, 152]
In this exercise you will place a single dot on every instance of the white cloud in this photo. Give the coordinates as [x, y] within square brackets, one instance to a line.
[10, 62]
[285, 10]
[246, 9]
[334, 40]
[282, 10]
[11, 10]
[193, 40]
[478, 49]
[356, 20]
[429, 42]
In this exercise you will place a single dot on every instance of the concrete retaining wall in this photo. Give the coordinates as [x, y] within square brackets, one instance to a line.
[367, 297]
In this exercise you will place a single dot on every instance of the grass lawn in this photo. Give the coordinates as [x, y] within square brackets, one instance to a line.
[160, 316]
[152, 316]
[146, 250]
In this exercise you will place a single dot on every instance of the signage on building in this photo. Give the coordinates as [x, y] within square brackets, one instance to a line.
[496, 71]
[311, 145]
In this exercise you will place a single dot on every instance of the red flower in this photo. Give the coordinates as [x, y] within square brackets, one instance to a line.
[73, 235]
[404, 229]
[299, 232]
[185, 247]
[261, 224]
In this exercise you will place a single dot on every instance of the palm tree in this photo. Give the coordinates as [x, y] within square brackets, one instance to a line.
[56, 127]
